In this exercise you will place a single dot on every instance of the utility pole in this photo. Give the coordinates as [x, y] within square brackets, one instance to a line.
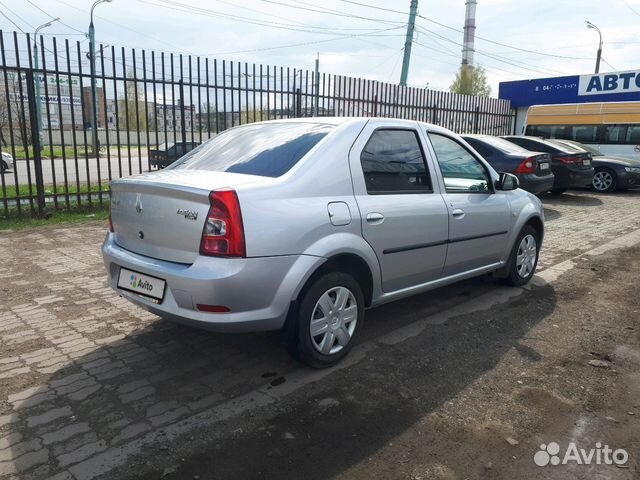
[413, 10]
[317, 89]
[599, 54]
[37, 76]
[94, 95]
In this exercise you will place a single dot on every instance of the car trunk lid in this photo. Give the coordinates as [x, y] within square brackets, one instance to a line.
[162, 214]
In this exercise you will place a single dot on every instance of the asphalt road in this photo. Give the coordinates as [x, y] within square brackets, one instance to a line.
[87, 170]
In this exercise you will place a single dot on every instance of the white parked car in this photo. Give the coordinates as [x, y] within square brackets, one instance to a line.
[6, 163]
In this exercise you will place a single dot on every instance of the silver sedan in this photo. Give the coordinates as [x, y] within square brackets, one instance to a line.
[301, 225]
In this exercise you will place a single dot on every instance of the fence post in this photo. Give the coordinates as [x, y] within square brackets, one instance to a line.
[298, 103]
[35, 140]
[434, 115]
[375, 106]
[476, 119]
[183, 114]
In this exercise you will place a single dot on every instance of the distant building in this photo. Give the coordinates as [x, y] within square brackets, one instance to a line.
[88, 106]
[169, 117]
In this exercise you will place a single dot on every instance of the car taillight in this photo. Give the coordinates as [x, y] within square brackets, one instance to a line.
[568, 159]
[527, 166]
[223, 233]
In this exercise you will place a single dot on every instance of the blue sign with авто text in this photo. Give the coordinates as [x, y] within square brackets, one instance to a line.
[603, 87]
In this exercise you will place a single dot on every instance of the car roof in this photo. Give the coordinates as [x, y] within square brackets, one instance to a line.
[343, 120]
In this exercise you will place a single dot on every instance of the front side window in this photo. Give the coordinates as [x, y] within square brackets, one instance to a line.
[392, 162]
[462, 172]
[267, 150]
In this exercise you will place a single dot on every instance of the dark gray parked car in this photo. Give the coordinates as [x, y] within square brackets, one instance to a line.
[167, 153]
[571, 168]
[533, 169]
[611, 172]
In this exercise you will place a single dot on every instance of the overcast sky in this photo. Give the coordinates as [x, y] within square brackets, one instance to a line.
[359, 40]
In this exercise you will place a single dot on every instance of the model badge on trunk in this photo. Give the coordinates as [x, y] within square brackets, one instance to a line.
[188, 214]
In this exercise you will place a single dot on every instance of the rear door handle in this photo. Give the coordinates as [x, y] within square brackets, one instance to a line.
[375, 218]
[458, 213]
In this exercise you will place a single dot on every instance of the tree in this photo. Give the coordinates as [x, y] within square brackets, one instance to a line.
[131, 109]
[471, 81]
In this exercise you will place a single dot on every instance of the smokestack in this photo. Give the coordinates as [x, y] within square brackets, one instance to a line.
[469, 32]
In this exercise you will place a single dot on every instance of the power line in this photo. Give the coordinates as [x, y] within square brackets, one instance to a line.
[300, 44]
[12, 22]
[520, 64]
[328, 11]
[630, 8]
[51, 16]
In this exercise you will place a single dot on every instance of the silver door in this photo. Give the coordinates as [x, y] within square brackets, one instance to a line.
[479, 216]
[404, 218]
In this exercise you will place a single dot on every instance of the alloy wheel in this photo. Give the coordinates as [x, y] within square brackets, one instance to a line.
[602, 180]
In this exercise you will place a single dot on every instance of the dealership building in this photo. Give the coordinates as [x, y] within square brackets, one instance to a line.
[602, 87]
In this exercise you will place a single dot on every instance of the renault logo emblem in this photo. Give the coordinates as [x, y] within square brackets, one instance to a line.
[139, 208]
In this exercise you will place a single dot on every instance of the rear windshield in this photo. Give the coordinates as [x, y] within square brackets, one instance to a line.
[501, 144]
[266, 150]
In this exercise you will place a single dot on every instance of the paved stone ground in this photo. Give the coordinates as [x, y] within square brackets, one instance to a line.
[85, 376]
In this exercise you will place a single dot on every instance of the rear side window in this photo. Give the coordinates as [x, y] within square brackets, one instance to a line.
[393, 162]
[266, 150]
[533, 146]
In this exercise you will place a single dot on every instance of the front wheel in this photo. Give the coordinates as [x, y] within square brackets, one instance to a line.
[604, 181]
[329, 316]
[524, 257]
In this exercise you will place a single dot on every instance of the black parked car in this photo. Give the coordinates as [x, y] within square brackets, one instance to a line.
[533, 169]
[611, 172]
[570, 167]
[167, 153]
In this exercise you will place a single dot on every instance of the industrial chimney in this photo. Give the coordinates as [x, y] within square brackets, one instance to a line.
[469, 32]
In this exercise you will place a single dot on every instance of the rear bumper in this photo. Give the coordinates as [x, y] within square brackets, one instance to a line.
[535, 184]
[567, 176]
[258, 291]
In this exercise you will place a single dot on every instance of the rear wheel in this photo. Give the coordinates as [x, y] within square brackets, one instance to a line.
[3, 166]
[524, 257]
[604, 180]
[329, 316]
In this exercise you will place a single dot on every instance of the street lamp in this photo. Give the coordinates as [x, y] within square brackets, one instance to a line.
[35, 59]
[92, 61]
[599, 56]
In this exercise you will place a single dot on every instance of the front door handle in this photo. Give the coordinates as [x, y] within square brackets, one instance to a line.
[458, 213]
[375, 218]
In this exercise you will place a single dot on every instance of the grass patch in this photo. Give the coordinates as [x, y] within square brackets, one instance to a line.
[20, 221]
[69, 151]
[12, 190]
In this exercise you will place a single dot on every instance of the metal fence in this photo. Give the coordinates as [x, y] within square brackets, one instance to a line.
[51, 104]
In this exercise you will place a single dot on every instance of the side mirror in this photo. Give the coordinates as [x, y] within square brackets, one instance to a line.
[507, 182]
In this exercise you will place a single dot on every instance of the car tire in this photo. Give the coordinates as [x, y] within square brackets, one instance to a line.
[558, 191]
[332, 306]
[604, 180]
[3, 166]
[524, 257]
